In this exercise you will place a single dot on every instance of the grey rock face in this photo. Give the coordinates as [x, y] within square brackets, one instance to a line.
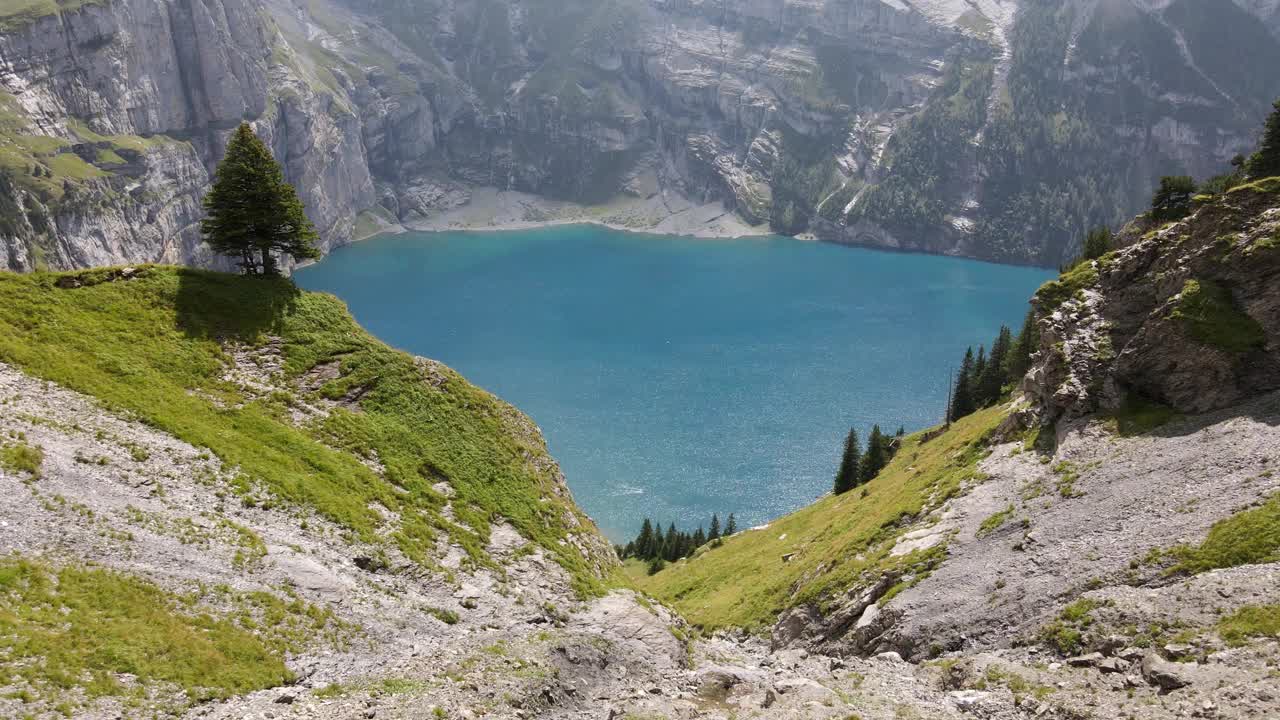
[834, 117]
[1184, 315]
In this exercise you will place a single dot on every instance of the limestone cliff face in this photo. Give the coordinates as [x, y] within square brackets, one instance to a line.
[125, 107]
[992, 129]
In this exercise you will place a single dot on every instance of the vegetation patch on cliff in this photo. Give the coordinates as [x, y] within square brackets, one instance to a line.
[827, 547]
[17, 14]
[153, 347]
[1055, 292]
[1138, 415]
[1210, 315]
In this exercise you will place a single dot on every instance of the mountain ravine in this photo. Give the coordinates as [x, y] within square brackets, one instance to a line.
[989, 128]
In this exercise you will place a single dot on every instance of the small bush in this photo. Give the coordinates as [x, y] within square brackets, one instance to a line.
[1067, 633]
[1172, 200]
[22, 458]
[448, 617]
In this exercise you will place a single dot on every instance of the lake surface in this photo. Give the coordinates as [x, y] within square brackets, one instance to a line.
[676, 377]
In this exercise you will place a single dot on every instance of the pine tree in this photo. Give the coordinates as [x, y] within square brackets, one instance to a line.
[993, 375]
[251, 212]
[848, 475]
[962, 399]
[979, 367]
[1266, 161]
[644, 542]
[876, 457]
[684, 545]
[714, 533]
[1172, 200]
[731, 526]
[671, 546]
[1020, 353]
[699, 538]
[1097, 243]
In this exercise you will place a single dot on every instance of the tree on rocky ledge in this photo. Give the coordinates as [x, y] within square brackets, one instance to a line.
[251, 212]
[1266, 161]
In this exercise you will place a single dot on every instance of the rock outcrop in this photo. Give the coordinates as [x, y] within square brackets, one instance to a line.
[1183, 315]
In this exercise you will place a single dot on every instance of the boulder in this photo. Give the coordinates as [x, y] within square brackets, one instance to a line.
[1168, 676]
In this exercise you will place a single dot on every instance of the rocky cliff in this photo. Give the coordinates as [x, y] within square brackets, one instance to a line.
[992, 129]
[1182, 316]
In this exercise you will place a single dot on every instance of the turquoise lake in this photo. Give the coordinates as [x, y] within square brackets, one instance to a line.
[676, 377]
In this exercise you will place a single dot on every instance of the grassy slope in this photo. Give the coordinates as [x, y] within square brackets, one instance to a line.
[836, 540]
[82, 627]
[143, 346]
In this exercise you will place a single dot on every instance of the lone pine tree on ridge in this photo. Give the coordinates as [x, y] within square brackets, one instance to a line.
[252, 212]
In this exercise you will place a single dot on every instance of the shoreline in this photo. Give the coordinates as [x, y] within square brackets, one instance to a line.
[492, 210]
[487, 209]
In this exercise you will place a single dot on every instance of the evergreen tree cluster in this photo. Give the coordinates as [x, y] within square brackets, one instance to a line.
[1266, 161]
[657, 546]
[983, 378]
[859, 467]
[1172, 200]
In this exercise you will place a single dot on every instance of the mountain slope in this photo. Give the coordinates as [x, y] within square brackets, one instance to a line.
[992, 129]
[308, 409]
[1124, 503]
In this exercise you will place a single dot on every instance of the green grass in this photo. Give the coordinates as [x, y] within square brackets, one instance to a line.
[993, 523]
[16, 14]
[1251, 621]
[1211, 316]
[20, 457]
[108, 156]
[1067, 633]
[371, 222]
[1262, 186]
[835, 541]
[23, 151]
[1138, 416]
[151, 347]
[82, 627]
[1246, 538]
[1055, 292]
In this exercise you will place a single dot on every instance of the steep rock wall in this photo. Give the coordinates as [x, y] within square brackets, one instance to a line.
[989, 129]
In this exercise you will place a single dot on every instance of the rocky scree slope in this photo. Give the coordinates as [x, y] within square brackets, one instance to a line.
[943, 126]
[1109, 534]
